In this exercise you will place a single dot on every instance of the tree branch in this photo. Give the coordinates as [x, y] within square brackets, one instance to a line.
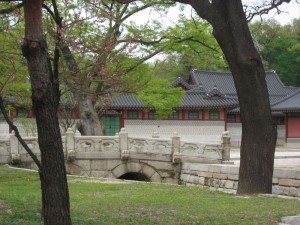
[264, 8]
[11, 9]
[17, 134]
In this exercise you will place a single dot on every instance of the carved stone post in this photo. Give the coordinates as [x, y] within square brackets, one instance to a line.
[176, 158]
[123, 138]
[226, 146]
[70, 145]
[14, 149]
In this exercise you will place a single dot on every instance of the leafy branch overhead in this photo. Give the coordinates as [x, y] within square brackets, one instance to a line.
[160, 98]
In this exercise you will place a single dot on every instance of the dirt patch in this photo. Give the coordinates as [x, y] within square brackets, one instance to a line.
[5, 207]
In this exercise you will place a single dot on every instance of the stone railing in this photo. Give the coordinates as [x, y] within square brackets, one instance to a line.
[122, 147]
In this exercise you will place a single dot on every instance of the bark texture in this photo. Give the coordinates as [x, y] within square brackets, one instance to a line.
[45, 100]
[89, 123]
[231, 30]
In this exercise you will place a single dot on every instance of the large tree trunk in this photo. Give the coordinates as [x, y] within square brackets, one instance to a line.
[230, 28]
[45, 100]
[89, 123]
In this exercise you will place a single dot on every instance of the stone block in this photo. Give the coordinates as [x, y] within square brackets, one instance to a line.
[205, 174]
[221, 176]
[134, 167]
[98, 164]
[235, 185]
[222, 183]
[286, 190]
[25, 158]
[148, 171]
[291, 220]
[229, 184]
[153, 157]
[233, 177]
[74, 169]
[298, 174]
[185, 166]
[234, 170]
[216, 183]
[277, 190]
[191, 179]
[284, 173]
[201, 181]
[275, 180]
[120, 170]
[293, 191]
[113, 163]
[4, 159]
[155, 178]
[100, 174]
[208, 181]
[165, 174]
[159, 165]
[4, 149]
[200, 167]
[84, 164]
[289, 182]
[214, 168]
[225, 169]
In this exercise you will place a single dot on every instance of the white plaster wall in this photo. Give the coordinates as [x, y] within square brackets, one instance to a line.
[235, 132]
[188, 130]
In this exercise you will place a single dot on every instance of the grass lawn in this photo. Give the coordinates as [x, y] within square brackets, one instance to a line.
[137, 203]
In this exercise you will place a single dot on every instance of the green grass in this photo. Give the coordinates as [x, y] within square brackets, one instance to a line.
[137, 203]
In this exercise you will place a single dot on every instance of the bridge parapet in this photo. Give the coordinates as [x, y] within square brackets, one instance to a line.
[123, 147]
[109, 156]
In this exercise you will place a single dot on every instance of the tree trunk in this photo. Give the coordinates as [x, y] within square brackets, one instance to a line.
[45, 100]
[89, 124]
[231, 30]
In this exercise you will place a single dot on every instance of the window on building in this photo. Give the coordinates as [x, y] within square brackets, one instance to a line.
[214, 115]
[174, 116]
[22, 112]
[193, 115]
[152, 115]
[231, 118]
[132, 114]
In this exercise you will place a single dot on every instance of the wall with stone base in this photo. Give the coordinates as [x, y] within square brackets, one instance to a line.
[286, 181]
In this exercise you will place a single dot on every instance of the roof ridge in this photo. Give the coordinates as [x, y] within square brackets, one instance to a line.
[286, 98]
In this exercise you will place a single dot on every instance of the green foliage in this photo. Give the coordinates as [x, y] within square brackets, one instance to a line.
[192, 46]
[279, 47]
[156, 95]
[282, 55]
[94, 202]
[13, 71]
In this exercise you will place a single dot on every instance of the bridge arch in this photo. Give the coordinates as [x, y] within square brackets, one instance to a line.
[141, 170]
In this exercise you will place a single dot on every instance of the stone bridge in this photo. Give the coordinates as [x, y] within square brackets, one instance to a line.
[120, 156]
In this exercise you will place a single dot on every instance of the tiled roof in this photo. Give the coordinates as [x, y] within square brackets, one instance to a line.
[194, 100]
[190, 100]
[180, 82]
[216, 90]
[224, 82]
[126, 101]
[289, 104]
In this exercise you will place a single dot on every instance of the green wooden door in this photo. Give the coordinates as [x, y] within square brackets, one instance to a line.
[111, 125]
